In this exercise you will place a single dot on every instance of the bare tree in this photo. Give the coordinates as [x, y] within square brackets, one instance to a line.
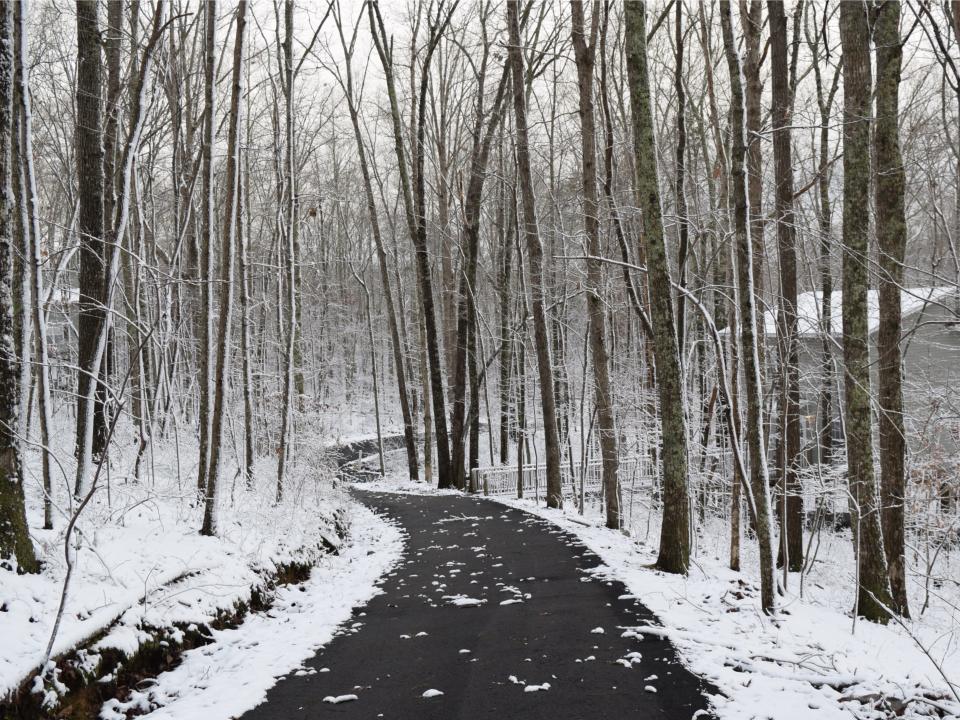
[674, 555]
[585, 53]
[415, 206]
[231, 222]
[208, 232]
[791, 515]
[534, 247]
[759, 489]
[14, 533]
[889, 188]
[873, 584]
[88, 138]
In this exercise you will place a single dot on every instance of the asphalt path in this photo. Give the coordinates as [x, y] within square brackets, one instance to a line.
[491, 613]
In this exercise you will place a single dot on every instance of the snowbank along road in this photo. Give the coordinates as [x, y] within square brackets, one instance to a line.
[491, 613]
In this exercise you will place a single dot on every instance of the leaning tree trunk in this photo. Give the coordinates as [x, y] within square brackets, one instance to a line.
[674, 553]
[414, 201]
[466, 311]
[585, 57]
[14, 533]
[758, 489]
[873, 592]
[399, 364]
[534, 265]
[791, 518]
[891, 240]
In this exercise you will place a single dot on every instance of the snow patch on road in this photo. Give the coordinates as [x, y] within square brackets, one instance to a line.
[809, 662]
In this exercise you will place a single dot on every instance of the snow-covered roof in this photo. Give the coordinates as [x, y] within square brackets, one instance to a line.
[810, 310]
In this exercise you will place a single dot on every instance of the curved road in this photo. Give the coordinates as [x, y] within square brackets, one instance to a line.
[487, 604]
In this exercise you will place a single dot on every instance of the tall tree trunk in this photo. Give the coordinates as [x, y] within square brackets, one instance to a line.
[683, 229]
[118, 227]
[674, 555]
[758, 488]
[243, 268]
[14, 532]
[791, 518]
[207, 238]
[289, 238]
[825, 98]
[231, 222]
[466, 310]
[891, 241]
[873, 592]
[506, 332]
[415, 206]
[88, 139]
[409, 429]
[585, 53]
[31, 226]
[531, 231]
[751, 18]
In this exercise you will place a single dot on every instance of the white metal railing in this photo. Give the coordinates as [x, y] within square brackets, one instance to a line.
[633, 473]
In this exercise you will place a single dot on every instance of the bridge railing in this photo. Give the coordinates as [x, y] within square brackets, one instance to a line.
[635, 474]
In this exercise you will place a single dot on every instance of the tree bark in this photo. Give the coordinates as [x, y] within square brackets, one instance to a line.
[415, 207]
[466, 310]
[14, 532]
[873, 592]
[208, 231]
[891, 240]
[88, 139]
[534, 247]
[31, 226]
[758, 489]
[791, 517]
[585, 54]
[409, 429]
[231, 221]
[674, 555]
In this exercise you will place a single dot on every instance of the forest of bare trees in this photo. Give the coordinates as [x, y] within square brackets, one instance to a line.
[716, 241]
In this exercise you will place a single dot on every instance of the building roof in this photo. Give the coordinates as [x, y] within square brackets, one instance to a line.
[810, 311]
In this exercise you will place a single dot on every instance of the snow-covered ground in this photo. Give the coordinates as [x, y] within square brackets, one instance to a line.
[233, 674]
[813, 660]
[143, 572]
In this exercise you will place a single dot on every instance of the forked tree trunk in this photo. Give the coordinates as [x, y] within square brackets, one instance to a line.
[466, 310]
[758, 488]
[674, 555]
[409, 429]
[414, 201]
[873, 592]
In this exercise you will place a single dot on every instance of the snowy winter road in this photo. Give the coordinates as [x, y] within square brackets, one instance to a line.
[490, 613]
